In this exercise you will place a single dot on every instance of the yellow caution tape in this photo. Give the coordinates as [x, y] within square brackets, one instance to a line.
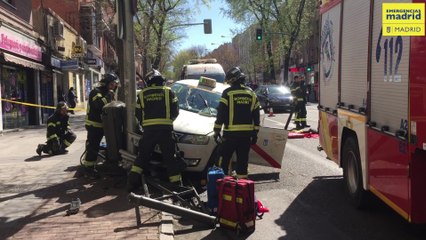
[37, 105]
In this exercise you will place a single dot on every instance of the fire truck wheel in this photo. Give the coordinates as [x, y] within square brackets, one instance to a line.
[352, 173]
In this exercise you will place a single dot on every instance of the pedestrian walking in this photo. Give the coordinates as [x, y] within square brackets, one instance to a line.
[98, 98]
[59, 134]
[156, 109]
[72, 99]
[238, 113]
[299, 94]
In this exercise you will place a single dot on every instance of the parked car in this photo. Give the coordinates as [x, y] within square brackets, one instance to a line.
[276, 96]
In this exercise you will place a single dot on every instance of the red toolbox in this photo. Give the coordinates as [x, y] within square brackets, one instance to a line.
[236, 204]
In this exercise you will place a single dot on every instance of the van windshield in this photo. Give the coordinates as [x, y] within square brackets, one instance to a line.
[219, 77]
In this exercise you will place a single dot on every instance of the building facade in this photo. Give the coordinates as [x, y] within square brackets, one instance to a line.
[20, 66]
[86, 17]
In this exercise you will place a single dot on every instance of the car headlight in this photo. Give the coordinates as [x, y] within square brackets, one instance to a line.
[194, 139]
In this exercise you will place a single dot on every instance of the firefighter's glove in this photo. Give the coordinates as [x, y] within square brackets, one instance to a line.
[253, 138]
[217, 137]
[111, 95]
[134, 181]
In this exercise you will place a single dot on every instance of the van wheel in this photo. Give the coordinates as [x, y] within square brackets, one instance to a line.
[352, 174]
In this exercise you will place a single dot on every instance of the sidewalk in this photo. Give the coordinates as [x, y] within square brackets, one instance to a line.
[35, 193]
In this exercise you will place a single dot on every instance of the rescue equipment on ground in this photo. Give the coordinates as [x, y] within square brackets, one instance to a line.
[237, 210]
[303, 134]
[214, 173]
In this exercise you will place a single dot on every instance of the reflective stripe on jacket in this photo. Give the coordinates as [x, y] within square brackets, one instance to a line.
[298, 92]
[238, 111]
[98, 98]
[157, 107]
[57, 126]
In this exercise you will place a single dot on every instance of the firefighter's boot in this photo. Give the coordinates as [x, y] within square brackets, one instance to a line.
[305, 125]
[91, 173]
[39, 149]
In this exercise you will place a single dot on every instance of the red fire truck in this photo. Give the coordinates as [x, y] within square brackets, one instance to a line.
[372, 105]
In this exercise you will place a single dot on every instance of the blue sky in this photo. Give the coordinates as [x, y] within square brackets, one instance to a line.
[221, 26]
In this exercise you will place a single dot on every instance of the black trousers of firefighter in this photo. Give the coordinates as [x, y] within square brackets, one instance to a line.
[94, 138]
[58, 146]
[300, 113]
[239, 145]
[166, 142]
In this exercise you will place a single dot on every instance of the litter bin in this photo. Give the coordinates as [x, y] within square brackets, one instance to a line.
[114, 120]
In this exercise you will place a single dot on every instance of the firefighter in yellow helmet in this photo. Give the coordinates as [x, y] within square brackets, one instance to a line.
[156, 109]
[98, 98]
[59, 134]
[238, 113]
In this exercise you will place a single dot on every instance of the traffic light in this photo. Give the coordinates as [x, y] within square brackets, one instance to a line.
[207, 26]
[259, 34]
[308, 69]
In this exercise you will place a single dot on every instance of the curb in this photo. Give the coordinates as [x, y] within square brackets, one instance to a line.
[166, 228]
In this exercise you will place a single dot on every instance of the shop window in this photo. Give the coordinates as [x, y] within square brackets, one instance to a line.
[46, 94]
[14, 89]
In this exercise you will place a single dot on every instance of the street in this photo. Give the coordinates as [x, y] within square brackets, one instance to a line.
[35, 194]
[308, 202]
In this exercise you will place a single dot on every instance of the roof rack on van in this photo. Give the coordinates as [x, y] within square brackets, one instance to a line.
[206, 60]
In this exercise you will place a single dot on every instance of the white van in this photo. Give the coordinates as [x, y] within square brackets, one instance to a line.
[203, 67]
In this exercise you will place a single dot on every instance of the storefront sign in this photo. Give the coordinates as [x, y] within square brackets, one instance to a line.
[69, 64]
[77, 51]
[19, 44]
[90, 61]
[55, 62]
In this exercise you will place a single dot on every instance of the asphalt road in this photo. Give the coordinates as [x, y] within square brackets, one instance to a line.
[308, 201]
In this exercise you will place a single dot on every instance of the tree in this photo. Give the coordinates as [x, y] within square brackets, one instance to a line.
[226, 55]
[182, 58]
[286, 19]
[157, 25]
[296, 26]
[256, 12]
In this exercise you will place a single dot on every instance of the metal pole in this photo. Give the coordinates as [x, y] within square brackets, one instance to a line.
[289, 119]
[173, 209]
[129, 73]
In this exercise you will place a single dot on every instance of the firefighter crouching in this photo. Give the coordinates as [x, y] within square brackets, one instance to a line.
[98, 98]
[238, 111]
[299, 93]
[59, 134]
[156, 109]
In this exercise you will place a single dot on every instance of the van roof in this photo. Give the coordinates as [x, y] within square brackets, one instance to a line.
[204, 68]
[206, 60]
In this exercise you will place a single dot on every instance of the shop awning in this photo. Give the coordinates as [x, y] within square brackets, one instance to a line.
[23, 62]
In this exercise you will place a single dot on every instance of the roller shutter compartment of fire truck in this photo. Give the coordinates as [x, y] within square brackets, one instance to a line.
[372, 118]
